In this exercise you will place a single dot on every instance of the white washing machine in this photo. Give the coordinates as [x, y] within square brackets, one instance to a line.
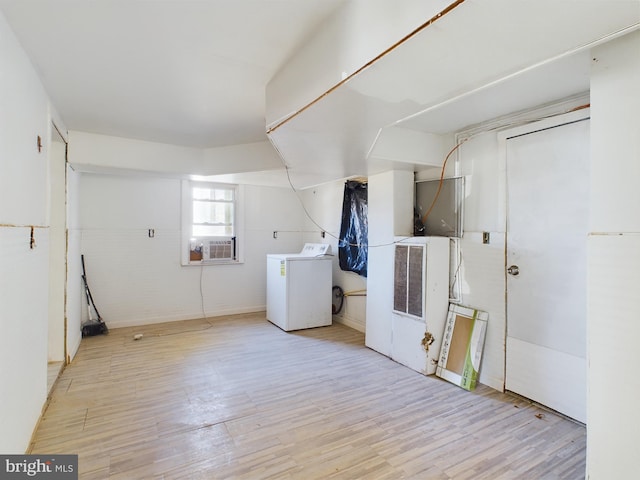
[299, 288]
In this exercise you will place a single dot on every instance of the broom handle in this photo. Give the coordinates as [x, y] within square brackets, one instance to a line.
[90, 301]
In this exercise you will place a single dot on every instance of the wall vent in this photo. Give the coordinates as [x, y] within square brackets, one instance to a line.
[408, 280]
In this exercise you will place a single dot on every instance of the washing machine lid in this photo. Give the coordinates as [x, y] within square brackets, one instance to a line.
[315, 250]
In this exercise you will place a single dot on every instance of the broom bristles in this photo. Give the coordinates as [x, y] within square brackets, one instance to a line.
[90, 329]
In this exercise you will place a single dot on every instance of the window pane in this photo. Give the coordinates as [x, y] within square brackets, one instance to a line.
[212, 231]
[201, 193]
[221, 194]
[212, 212]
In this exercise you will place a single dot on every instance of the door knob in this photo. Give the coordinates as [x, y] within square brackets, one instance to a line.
[513, 270]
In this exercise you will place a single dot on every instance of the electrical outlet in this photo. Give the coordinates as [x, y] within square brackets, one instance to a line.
[486, 238]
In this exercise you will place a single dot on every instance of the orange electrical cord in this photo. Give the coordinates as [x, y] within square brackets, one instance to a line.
[426, 24]
[444, 166]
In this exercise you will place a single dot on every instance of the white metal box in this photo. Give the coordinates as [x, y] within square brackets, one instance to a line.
[421, 301]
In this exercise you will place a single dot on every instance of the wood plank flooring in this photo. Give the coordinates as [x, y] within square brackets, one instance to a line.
[53, 372]
[238, 398]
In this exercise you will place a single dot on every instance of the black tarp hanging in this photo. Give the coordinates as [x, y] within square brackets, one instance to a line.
[353, 245]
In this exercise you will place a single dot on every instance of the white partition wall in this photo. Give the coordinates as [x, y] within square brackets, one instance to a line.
[75, 291]
[613, 330]
[24, 245]
[390, 214]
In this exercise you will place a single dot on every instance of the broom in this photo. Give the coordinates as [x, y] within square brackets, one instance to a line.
[92, 326]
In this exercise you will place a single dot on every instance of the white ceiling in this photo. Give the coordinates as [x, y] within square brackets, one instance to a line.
[193, 72]
[184, 72]
[482, 60]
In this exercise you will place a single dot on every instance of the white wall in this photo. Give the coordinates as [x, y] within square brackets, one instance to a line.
[324, 205]
[481, 270]
[409, 146]
[75, 289]
[94, 152]
[470, 265]
[390, 214]
[24, 115]
[247, 157]
[613, 330]
[137, 280]
[91, 152]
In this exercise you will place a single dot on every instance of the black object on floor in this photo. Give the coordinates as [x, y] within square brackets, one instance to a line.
[93, 326]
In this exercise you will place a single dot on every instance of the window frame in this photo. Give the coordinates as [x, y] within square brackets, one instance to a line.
[187, 222]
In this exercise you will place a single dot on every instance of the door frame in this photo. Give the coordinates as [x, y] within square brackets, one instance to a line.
[57, 212]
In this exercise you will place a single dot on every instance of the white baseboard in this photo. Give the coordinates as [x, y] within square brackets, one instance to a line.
[138, 322]
[349, 322]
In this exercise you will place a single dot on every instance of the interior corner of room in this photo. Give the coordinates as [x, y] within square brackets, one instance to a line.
[521, 117]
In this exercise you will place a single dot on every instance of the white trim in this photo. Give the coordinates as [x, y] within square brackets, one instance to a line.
[546, 123]
[138, 322]
[525, 117]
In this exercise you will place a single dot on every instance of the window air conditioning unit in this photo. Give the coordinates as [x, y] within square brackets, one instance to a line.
[220, 248]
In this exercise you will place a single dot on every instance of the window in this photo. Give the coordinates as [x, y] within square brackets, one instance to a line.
[210, 223]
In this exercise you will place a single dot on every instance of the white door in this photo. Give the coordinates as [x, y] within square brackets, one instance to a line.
[547, 225]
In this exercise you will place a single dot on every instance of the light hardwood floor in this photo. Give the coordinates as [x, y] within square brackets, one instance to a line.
[53, 372]
[238, 398]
